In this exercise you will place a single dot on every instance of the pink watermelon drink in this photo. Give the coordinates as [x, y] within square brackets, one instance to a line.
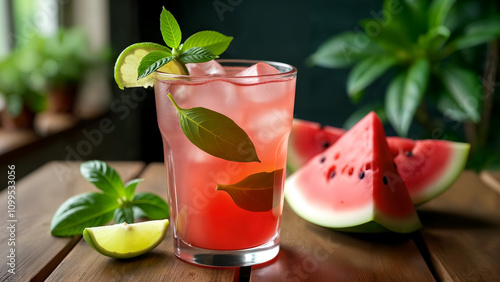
[218, 204]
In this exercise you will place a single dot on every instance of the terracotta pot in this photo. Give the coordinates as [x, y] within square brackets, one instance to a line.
[23, 121]
[62, 99]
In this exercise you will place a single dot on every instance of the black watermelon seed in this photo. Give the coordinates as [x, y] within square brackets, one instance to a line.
[361, 175]
[395, 166]
[385, 180]
[322, 160]
[409, 154]
[332, 174]
[326, 144]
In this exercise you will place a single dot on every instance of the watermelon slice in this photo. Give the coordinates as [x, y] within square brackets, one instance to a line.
[428, 167]
[354, 182]
[308, 139]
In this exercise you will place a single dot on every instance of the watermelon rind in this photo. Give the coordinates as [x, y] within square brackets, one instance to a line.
[362, 220]
[455, 166]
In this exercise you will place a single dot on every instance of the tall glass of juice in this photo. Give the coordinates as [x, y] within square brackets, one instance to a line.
[227, 213]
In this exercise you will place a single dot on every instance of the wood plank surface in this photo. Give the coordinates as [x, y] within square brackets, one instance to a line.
[85, 264]
[492, 179]
[38, 196]
[313, 253]
[462, 231]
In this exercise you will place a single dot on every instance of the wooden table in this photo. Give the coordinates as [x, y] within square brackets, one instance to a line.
[460, 240]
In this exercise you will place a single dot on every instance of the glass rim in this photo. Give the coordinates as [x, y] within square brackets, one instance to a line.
[292, 71]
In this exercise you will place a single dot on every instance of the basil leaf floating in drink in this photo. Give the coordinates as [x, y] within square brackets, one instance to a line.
[216, 134]
[255, 192]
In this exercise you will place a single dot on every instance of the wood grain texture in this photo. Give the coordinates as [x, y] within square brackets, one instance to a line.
[492, 179]
[312, 253]
[85, 264]
[38, 196]
[462, 231]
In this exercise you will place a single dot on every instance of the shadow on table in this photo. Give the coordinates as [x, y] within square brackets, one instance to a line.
[456, 220]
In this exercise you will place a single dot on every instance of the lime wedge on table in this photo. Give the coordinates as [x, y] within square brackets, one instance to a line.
[126, 240]
[128, 62]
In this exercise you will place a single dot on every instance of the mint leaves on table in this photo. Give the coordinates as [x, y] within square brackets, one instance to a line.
[117, 201]
[216, 134]
[200, 47]
[255, 192]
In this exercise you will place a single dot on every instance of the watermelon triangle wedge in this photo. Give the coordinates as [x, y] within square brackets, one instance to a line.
[428, 167]
[353, 183]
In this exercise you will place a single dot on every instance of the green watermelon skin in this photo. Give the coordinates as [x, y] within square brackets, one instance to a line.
[428, 167]
[352, 183]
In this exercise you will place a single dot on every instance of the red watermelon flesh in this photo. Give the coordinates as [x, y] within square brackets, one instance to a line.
[428, 167]
[352, 183]
[308, 139]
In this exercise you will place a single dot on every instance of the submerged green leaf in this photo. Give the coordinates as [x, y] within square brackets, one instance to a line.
[216, 134]
[257, 192]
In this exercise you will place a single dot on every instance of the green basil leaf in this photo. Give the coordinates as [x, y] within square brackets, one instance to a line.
[344, 50]
[214, 41]
[365, 72]
[170, 29]
[103, 177]
[130, 188]
[405, 94]
[257, 192]
[197, 55]
[216, 134]
[438, 11]
[153, 61]
[82, 211]
[465, 88]
[151, 205]
[123, 214]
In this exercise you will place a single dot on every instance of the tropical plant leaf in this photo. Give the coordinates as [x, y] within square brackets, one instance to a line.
[344, 50]
[256, 192]
[438, 11]
[378, 108]
[216, 134]
[477, 33]
[434, 39]
[405, 94]
[465, 89]
[365, 72]
[450, 108]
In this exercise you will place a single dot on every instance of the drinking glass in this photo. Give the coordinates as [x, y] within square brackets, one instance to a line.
[227, 213]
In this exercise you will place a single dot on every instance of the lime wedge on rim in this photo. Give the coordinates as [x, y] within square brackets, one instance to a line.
[126, 240]
[127, 63]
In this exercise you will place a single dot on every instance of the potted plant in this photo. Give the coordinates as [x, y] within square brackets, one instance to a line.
[441, 58]
[20, 91]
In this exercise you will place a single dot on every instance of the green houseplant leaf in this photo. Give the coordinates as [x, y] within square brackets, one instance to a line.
[216, 134]
[103, 177]
[81, 211]
[365, 72]
[478, 33]
[438, 11]
[464, 88]
[344, 50]
[404, 95]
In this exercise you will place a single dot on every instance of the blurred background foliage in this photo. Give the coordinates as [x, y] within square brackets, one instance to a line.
[422, 36]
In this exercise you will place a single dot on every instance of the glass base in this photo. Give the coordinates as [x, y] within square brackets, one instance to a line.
[227, 258]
